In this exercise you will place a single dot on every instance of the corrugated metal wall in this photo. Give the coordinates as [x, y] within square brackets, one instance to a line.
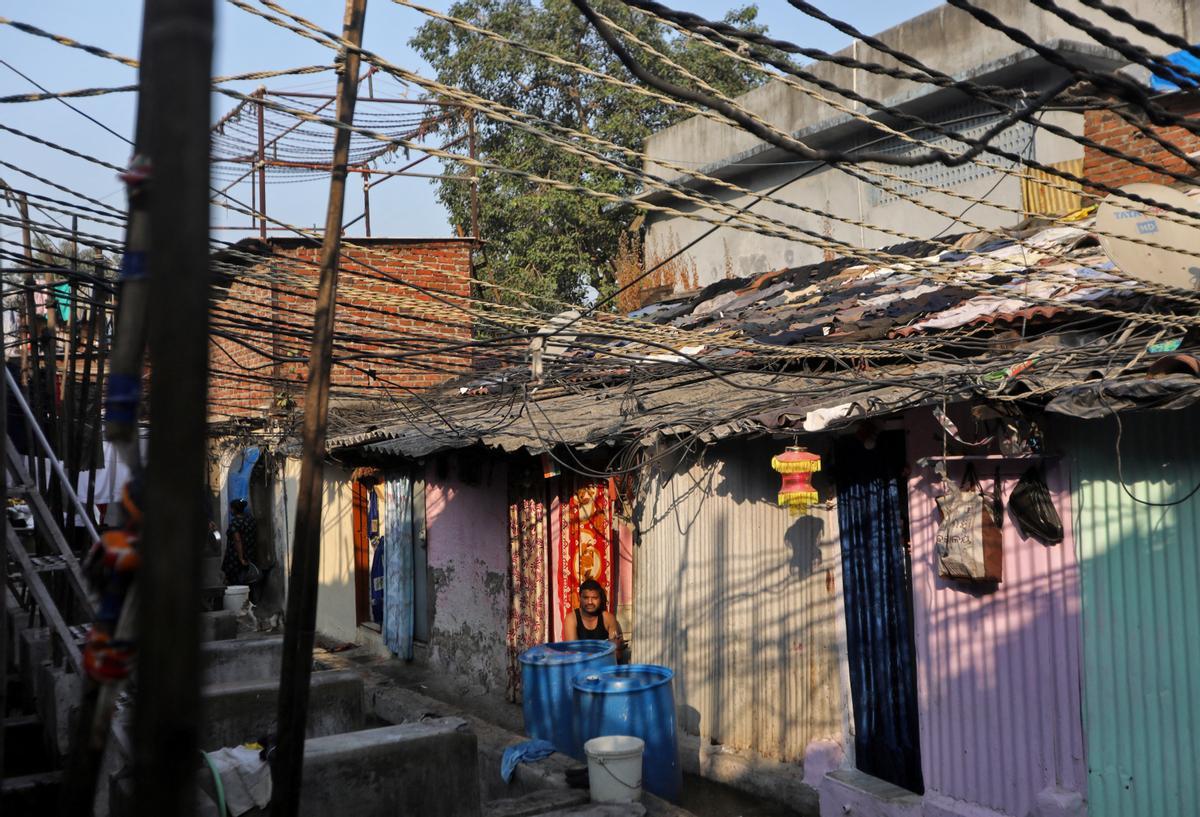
[998, 672]
[742, 601]
[1141, 613]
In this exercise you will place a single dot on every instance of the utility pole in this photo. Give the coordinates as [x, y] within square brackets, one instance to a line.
[302, 596]
[176, 83]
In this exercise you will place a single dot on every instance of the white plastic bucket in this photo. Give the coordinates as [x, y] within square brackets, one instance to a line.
[235, 597]
[615, 768]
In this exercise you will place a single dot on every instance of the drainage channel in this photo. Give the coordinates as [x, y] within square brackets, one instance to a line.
[707, 798]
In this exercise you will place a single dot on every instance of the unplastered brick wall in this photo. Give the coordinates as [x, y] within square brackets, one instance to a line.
[263, 323]
[1108, 128]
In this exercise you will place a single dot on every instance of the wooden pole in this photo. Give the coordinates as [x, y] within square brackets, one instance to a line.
[69, 449]
[300, 629]
[34, 385]
[176, 83]
[4, 635]
[262, 167]
[100, 338]
[366, 179]
[474, 173]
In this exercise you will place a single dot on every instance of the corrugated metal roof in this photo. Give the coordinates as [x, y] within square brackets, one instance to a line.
[648, 391]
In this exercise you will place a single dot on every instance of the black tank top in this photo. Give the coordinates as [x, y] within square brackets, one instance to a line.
[598, 632]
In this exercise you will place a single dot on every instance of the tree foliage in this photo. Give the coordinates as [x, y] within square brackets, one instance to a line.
[548, 242]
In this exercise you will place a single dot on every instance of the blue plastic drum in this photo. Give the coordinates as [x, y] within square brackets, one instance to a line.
[637, 700]
[547, 671]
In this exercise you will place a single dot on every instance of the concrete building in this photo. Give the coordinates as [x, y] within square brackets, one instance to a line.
[946, 39]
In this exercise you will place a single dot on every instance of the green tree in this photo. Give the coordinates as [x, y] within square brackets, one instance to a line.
[544, 241]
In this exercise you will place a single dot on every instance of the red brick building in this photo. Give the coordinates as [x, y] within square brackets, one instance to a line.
[399, 302]
[1106, 127]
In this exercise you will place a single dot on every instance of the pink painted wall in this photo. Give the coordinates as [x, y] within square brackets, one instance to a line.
[998, 673]
[624, 563]
[466, 513]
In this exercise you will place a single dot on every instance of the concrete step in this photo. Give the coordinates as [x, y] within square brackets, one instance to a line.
[48, 564]
[23, 753]
[31, 793]
[242, 659]
[244, 711]
[415, 768]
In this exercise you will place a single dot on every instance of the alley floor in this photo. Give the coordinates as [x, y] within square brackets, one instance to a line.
[701, 797]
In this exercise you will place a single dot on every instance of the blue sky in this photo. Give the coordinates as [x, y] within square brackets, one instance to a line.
[401, 207]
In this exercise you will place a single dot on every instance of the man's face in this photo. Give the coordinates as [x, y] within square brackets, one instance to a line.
[589, 600]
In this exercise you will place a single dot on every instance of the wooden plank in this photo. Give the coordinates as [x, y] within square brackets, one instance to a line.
[45, 602]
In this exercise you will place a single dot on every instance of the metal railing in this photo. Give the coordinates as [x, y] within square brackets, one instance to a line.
[83, 512]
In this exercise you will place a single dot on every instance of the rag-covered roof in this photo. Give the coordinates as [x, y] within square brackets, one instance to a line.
[1040, 314]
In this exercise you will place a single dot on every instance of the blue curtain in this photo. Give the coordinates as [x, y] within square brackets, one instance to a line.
[872, 501]
[398, 565]
[238, 484]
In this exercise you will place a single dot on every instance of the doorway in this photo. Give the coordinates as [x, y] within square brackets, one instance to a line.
[877, 575]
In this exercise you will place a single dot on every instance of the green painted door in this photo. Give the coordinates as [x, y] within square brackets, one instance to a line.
[1140, 572]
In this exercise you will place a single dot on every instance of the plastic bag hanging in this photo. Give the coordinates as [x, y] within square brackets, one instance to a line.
[1033, 508]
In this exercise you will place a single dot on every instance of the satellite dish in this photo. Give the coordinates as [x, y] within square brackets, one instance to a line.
[1119, 218]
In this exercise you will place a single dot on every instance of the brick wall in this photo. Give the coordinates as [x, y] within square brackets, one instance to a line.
[254, 367]
[1106, 127]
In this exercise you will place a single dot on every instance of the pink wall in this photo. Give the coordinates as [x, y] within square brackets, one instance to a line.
[998, 672]
[467, 529]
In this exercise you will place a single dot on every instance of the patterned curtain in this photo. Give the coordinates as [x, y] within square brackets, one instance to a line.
[527, 575]
[398, 565]
[584, 545]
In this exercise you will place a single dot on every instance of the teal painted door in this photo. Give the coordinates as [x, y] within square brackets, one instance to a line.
[1140, 573]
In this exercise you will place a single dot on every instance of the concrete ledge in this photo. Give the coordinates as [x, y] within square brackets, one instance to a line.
[58, 694]
[849, 791]
[238, 712]
[218, 625]
[397, 705]
[539, 802]
[18, 620]
[415, 768]
[33, 648]
[242, 659]
[749, 772]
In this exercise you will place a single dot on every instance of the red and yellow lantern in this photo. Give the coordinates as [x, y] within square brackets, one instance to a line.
[797, 466]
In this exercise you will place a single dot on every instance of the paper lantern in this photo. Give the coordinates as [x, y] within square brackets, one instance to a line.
[797, 467]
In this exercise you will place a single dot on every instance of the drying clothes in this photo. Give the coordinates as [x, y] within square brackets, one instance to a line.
[245, 778]
[714, 304]
[901, 295]
[971, 310]
[526, 752]
[1056, 236]
[818, 419]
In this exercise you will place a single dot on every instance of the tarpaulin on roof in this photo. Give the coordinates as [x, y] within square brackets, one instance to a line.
[1092, 401]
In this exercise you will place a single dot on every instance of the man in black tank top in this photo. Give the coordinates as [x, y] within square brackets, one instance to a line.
[592, 619]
